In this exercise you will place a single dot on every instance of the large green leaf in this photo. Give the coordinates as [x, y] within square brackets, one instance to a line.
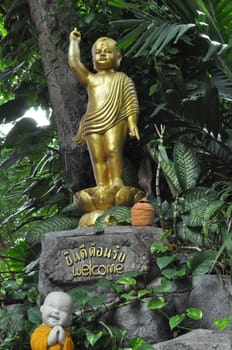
[113, 216]
[223, 323]
[156, 303]
[186, 166]
[198, 196]
[164, 261]
[172, 32]
[34, 315]
[194, 313]
[218, 150]
[150, 37]
[190, 234]
[167, 167]
[200, 262]
[52, 224]
[195, 217]
[18, 256]
[93, 337]
[120, 4]
[222, 83]
[193, 206]
[146, 39]
[27, 205]
[133, 36]
[176, 320]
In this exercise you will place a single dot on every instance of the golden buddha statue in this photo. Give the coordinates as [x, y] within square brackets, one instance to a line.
[112, 111]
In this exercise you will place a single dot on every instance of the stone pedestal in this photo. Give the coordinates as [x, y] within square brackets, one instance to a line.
[80, 258]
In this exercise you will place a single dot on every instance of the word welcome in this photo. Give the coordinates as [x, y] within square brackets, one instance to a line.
[89, 261]
[91, 269]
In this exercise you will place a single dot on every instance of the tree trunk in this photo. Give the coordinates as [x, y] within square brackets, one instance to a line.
[66, 96]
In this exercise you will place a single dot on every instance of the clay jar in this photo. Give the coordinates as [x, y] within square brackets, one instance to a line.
[142, 213]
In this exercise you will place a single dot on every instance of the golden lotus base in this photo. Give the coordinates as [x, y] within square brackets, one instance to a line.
[93, 201]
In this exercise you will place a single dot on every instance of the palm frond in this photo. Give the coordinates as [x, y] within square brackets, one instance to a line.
[222, 82]
[151, 37]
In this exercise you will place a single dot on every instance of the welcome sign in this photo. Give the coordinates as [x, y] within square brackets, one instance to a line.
[75, 257]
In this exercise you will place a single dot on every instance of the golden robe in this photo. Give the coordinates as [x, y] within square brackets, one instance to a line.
[40, 336]
[121, 103]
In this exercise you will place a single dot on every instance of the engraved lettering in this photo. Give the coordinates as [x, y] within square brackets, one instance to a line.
[92, 250]
[122, 257]
[83, 252]
[115, 252]
[76, 257]
[100, 252]
[107, 253]
[95, 266]
[68, 258]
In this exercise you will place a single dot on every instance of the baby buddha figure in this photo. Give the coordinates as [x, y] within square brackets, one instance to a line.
[53, 333]
[112, 108]
[111, 114]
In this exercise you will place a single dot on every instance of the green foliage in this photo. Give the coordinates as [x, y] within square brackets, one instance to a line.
[139, 344]
[52, 224]
[186, 166]
[129, 173]
[200, 214]
[13, 328]
[112, 217]
[201, 262]
[222, 324]
[18, 298]
[88, 328]
[192, 313]
[156, 303]
[182, 174]
[18, 255]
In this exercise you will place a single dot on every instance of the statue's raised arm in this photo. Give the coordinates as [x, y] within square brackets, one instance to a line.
[74, 57]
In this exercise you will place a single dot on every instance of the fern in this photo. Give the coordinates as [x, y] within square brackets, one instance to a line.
[53, 224]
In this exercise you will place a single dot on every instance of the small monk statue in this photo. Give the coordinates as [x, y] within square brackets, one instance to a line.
[53, 333]
[112, 108]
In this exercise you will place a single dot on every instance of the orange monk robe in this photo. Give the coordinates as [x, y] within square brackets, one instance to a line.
[39, 340]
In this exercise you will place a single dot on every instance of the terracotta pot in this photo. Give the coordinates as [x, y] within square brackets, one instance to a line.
[142, 213]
